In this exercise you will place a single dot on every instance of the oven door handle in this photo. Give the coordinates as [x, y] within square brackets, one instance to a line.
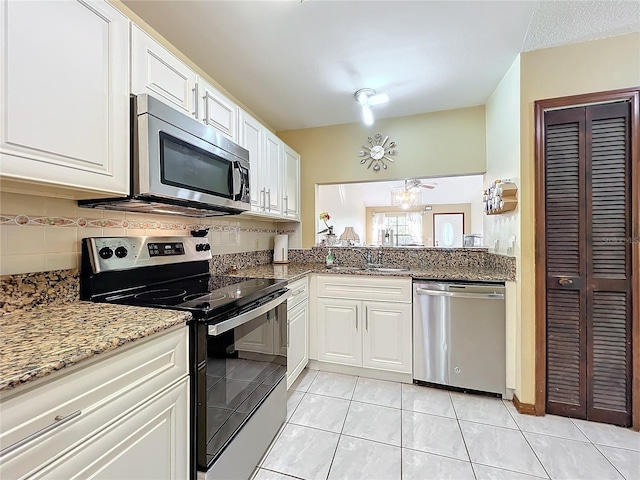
[234, 322]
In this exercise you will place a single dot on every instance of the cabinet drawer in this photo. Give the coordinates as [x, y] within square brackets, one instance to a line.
[124, 449]
[102, 391]
[300, 292]
[359, 287]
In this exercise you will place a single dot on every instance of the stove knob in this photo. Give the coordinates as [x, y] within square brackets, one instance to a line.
[206, 247]
[199, 247]
[121, 252]
[105, 253]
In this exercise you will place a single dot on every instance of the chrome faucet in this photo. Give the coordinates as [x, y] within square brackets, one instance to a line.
[368, 263]
[365, 258]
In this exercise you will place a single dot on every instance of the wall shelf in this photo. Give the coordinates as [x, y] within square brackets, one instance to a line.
[500, 197]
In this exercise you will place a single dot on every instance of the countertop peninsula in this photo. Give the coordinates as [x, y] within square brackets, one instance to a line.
[293, 271]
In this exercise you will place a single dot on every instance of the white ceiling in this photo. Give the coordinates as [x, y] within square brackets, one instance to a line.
[463, 189]
[297, 65]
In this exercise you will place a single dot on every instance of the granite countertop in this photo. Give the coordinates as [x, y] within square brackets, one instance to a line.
[293, 271]
[35, 343]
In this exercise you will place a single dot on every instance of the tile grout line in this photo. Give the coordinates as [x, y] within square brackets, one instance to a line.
[464, 441]
[607, 459]
[342, 429]
[401, 429]
[535, 453]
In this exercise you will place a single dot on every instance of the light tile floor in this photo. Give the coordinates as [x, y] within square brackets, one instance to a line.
[343, 427]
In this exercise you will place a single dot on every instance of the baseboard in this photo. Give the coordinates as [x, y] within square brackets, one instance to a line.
[361, 372]
[524, 408]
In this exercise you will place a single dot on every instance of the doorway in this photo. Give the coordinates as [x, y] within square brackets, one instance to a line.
[586, 275]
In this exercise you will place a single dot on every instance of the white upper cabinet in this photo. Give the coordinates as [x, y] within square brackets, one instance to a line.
[291, 184]
[251, 137]
[275, 169]
[156, 71]
[64, 97]
[216, 110]
[272, 173]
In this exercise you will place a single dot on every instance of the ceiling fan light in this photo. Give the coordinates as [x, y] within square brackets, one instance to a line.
[378, 99]
[367, 115]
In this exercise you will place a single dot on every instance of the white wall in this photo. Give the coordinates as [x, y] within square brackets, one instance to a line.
[503, 158]
[345, 205]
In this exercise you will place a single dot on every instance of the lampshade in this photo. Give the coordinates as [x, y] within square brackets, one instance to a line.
[350, 235]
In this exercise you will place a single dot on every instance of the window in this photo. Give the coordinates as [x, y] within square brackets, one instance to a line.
[406, 228]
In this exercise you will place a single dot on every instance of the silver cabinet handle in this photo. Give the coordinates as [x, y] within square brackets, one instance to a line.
[269, 204]
[366, 318]
[286, 204]
[298, 292]
[58, 422]
[356, 317]
[288, 330]
[195, 100]
[440, 293]
[206, 108]
[264, 198]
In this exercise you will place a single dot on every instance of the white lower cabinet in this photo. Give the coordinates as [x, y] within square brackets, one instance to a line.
[145, 444]
[386, 338]
[125, 414]
[339, 331]
[356, 331]
[298, 329]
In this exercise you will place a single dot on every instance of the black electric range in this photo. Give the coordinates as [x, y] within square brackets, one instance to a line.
[238, 337]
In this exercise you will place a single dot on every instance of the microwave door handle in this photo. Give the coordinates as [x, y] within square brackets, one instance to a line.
[237, 182]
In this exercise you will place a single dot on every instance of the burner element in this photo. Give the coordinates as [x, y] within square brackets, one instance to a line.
[210, 296]
[160, 294]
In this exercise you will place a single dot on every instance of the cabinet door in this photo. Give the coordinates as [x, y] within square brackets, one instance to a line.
[339, 337]
[272, 173]
[151, 442]
[386, 338]
[217, 111]
[64, 95]
[291, 196]
[298, 351]
[252, 138]
[156, 71]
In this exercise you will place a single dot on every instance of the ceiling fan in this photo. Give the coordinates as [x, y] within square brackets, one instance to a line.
[409, 195]
[416, 184]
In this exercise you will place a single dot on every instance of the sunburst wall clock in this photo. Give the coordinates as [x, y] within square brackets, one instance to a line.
[377, 152]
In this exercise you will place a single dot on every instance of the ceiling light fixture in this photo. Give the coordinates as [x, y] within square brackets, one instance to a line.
[409, 195]
[367, 98]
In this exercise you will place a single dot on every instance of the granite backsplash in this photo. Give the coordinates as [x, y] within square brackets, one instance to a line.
[411, 257]
[29, 290]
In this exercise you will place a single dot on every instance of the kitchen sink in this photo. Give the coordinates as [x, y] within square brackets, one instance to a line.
[346, 269]
[387, 270]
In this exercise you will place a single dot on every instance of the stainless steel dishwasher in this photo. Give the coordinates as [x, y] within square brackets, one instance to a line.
[459, 335]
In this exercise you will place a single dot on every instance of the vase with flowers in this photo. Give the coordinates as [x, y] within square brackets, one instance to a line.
[331, 238]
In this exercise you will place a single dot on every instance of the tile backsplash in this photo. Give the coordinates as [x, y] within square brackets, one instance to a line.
[39, 234]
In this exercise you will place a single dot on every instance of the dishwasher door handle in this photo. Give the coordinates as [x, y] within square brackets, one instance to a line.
[441, 293]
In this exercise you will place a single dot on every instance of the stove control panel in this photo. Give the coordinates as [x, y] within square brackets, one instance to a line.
[122, 253]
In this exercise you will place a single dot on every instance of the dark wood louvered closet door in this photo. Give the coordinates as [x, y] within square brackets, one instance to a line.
[588, 220]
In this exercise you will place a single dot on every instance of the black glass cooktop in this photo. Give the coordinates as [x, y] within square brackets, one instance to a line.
[205, 294]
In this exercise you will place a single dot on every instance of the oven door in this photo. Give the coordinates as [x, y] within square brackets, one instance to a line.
[241, 385]
[178, 164]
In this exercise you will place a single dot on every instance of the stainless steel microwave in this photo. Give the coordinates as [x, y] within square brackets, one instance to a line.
[180, 166]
